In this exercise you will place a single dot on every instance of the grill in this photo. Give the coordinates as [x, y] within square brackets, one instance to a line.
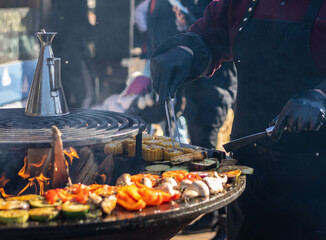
[80, 127]
[155, 222]
[30, 132]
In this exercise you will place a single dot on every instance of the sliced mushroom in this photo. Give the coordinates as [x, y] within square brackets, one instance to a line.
[108, 204]
[170, 180]
[124, 180]
[95, 198]
[184, 184]
[147, 182]
[215, 185]
[188, 193]
[198, 186]
[212, 174]
[166, 187]
[223, 178]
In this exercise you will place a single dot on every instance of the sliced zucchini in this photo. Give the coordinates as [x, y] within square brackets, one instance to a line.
[95, 213]
[157, 168]
[13, 216]
[39, 203]
[24, 197]
[228, 162]
[11, 205]
[43, 214]
[243, 169]
[180, 167]
[206, 164]
[74, 210]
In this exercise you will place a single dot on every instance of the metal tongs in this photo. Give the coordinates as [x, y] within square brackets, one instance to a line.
[169, 122]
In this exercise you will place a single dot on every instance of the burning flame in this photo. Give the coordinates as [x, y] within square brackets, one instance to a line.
[23, 172]
[30, 184]
[2, 191]
[3, 183]
[40, 164]
[3, 180]
[28, 167]
[71, 153]
[42, 182]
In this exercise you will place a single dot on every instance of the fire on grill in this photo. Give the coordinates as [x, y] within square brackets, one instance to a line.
[61, 173]
[60, 177]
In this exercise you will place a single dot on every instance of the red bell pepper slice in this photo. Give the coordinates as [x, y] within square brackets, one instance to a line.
[193, 177]
[178, 175]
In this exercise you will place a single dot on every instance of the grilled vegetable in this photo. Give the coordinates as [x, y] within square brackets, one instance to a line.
[11, 205]
[233, 173]
[193, 177]
[178, 167]
[125, 200]
[243, 169]
[205, 164]
[151, 196]
[24, 197]
[94, 213]
[228, 162]
[187, 158]
[13, 216]
[108, 204]
[124, 180]
[196, 189]
[157, 168]
[215, 185]
[43, 214]
[178, 175]
[74, 210]
[38, 203]
[114, 147]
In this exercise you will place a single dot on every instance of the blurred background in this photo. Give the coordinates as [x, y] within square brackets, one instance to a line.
[93, 37]
[104, 46]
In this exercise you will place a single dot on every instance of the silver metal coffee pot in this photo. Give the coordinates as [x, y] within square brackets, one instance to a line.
[46, 97]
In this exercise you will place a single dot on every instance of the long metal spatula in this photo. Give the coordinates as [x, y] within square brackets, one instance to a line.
[169, 122]
[241, 142]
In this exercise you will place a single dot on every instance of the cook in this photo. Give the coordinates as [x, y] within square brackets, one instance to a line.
[280, 53]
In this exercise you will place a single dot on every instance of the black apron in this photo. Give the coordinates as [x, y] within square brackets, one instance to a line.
[284, 198]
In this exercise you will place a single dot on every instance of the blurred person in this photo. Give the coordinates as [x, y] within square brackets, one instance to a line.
[141, 11]
[159, 25]
[208, 100]
[279, 54]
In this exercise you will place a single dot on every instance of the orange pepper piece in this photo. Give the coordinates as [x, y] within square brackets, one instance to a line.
[176, 196]
[166, 197]
[64, 195]
[178, 175]
[132, 191]
[124, 200]
[151, 196]
[193, 177]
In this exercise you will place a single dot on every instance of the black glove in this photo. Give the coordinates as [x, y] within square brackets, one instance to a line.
[304, 112]
[169, 70]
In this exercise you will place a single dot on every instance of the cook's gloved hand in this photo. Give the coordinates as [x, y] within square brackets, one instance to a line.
[169, 70]
[303, 112]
